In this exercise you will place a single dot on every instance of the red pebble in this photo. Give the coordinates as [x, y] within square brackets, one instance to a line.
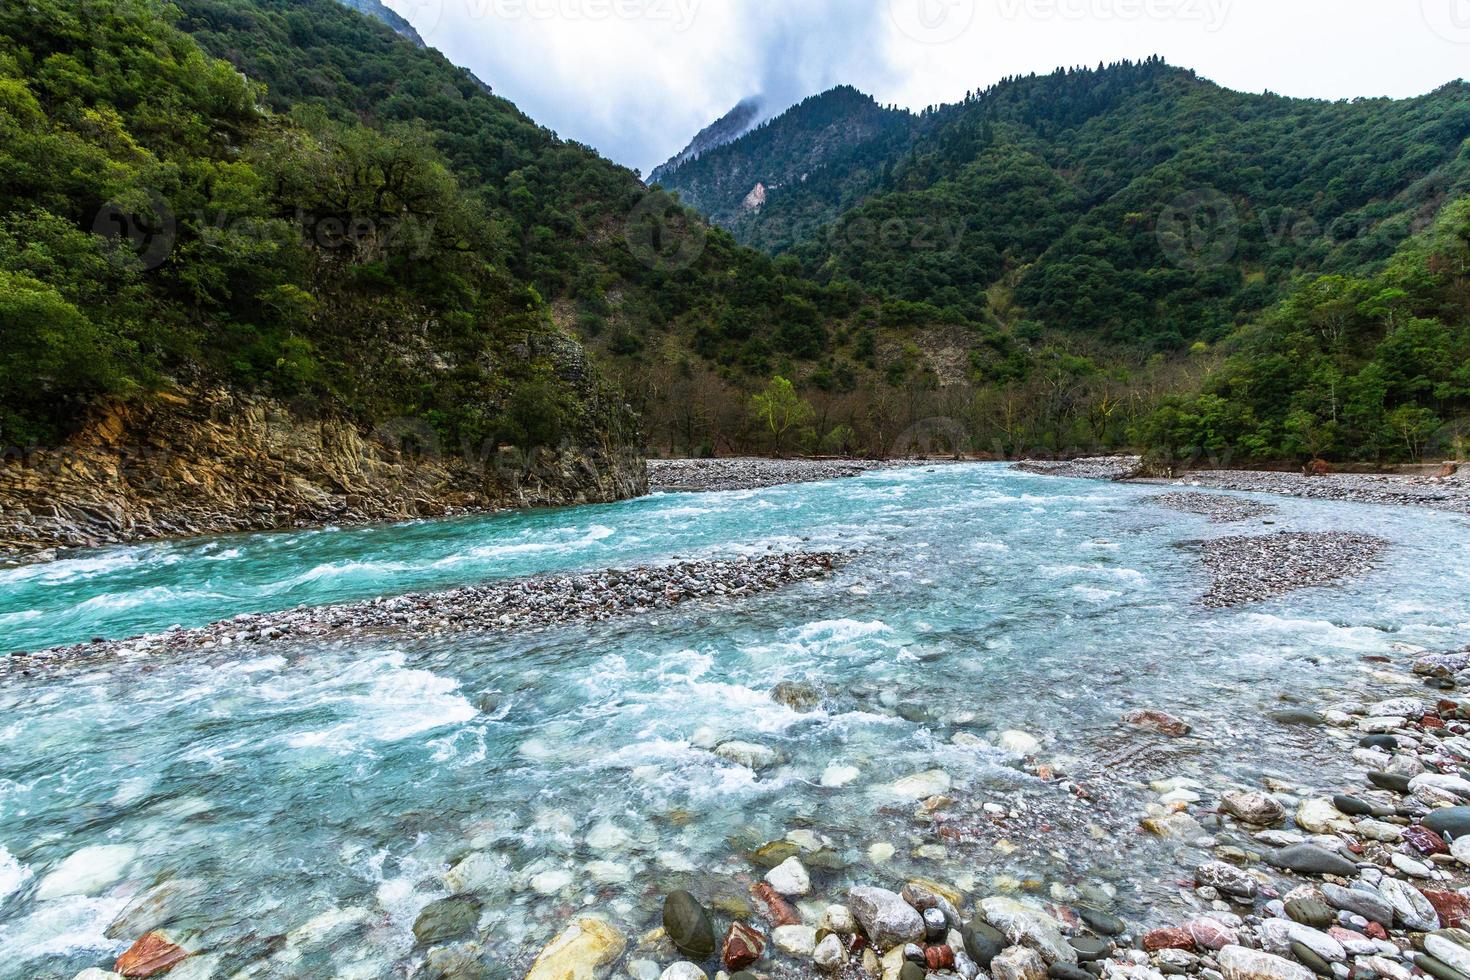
[1425, 841]
[1375, 931]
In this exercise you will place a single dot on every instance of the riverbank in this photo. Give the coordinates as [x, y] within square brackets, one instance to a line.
[519, 604]
[755, 473]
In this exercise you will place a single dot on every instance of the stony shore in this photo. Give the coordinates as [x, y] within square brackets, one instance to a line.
[519, 604]
[1368, 881]
[754, 473]
[1440, 493]
[1087, 468]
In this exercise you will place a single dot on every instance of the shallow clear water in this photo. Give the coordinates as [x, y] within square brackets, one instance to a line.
[292, 783]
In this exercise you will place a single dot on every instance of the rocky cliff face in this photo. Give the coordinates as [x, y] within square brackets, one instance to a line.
[214, 461]
[728, 128]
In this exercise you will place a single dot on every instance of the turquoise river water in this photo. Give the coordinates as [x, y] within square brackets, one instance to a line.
[305, 802]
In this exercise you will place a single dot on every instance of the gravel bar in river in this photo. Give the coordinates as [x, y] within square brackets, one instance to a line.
[520, 604]
[752, 473]
[1218, 508]
[1250, 569]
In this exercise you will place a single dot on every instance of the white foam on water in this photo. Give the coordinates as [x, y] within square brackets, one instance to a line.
[63, 927]
[160, 595]
[16, 618]
[13, 875]
[1096, 595]
[829, 632]
[71, 569]
[1359, 638]
[381, 700]
[990, 546]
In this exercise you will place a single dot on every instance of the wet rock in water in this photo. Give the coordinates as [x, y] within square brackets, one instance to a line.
[1159, 722]
[790, 878]
[582, 950]
[800, 941]
[776, 852]
[1239, 963]
[447, 919]
[689, 926]
[150, 956]
[887, 919]
[1409, 905]
[830, 955]
[1018, 963]
[983, 942]
[476, 873]
[1256, 809]
[1174, 826]
[1310, 912]
[1309, 859]
[1226, 878]
[1019, 743]
[683, 970]
[838, 919]
[1103, 923]
[796, 696]
[922, 785]
[936, 926]
[748, 754]
[93, 973]
[86, 872]
[777, 911]
[742, 947]
[156, 907]
[1029, 927]
[1449, 822]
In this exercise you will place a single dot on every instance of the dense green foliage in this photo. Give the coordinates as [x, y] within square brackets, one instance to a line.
[1368, 368]
[1085, 190]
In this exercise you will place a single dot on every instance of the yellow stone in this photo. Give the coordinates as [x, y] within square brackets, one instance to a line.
[580, 952]
[946, 892]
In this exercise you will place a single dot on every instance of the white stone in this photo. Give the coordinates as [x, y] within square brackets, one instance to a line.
[1448, 951]
[1378, 830]
[609, 872]
[86, 872]
[92, 973]
[829, 954]
[551, 882]
[1018, 963]
[477, 873]
[1319, 816]
[748, 754]
[607, 836]
[838, 919]
[1409, 905]
[684, 970]
[1452, 785]
[1318, 942]
[1020, 743]
[1029, 927]
[795, 940]
[882, 853]
[1460, 849]
[837, 775]
[790, 878]
[1386, 967]
[922, 785]
[1410, 867]
[1239, 963]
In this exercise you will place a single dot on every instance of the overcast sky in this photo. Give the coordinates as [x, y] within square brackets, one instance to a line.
[637, 78]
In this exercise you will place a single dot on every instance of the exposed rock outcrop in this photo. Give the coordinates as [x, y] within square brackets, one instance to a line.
[215, 461]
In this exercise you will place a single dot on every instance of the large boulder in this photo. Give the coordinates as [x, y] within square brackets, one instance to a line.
[689, 926]
[1409, 905]
[583, 949]
[887, 919]
[1018, 963]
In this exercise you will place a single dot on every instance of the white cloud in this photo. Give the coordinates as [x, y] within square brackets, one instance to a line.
[637, 78]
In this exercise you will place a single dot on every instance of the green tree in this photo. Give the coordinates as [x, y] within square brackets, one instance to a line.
[779, 410]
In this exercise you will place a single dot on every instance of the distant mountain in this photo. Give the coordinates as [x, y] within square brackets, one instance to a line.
[840, 137]
[1134, 203]
[728, 128]
[377, 11]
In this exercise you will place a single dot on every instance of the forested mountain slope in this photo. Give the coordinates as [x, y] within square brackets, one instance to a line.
[1136, 203]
